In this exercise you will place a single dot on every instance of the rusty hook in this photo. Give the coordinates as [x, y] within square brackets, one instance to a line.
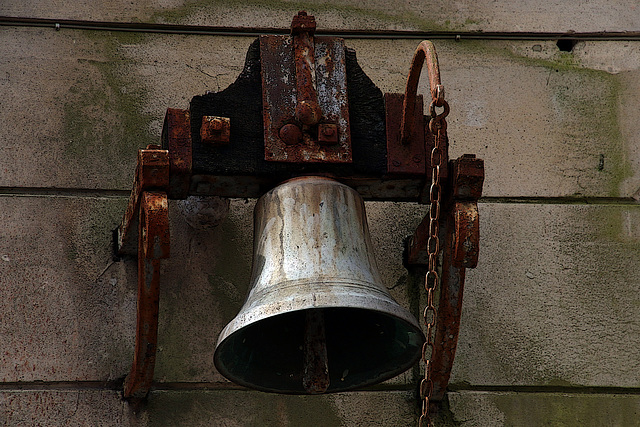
[426, 51]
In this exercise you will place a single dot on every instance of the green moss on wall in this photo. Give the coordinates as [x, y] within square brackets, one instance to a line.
[585, 103]
[567, 410]
[103, 110]
[247, 408]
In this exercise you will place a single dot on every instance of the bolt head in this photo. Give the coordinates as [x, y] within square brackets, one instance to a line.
[290, 134]
[327, 134]
[216, 124]
[328, 131]
[215, 130]
[308, 112]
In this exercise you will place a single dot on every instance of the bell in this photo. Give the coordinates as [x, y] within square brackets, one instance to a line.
[317, 317]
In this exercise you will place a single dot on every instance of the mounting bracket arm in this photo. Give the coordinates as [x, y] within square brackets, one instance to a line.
[147, 218]
[459, 230]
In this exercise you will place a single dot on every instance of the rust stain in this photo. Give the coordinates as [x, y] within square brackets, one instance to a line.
[152, 172]
[407, 158]
[153, 243]
[215, 130]
[461, 241]
[176, 137]
[304, 88]
[466, 235]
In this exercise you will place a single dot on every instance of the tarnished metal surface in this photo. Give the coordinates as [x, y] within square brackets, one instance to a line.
[425, 52]
[152, 172]
[312, 250]
[308, 111]
[466, 235]
[176, 137]
[215, 130]
[448, 316]
[304, 84]
[407, 158]
[460, 237]
[468, 178]
[153, 244]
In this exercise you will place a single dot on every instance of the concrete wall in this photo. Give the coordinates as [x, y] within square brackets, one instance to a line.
[551, 315]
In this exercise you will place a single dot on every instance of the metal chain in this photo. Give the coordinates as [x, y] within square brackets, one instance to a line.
[438, 127]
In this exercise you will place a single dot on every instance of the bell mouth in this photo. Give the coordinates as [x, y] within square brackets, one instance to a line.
[364, 347]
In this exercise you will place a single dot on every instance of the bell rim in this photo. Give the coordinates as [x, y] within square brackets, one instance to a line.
[387, 306]
[347, 294]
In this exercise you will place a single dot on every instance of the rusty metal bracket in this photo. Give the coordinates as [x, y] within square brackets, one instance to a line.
[176, 136]
[468, 177]
[407, 158]
[306, 118]
[466, 234]
[152, 172]
[424, 53]
[153, 243]
[459, 231]
[144, 231]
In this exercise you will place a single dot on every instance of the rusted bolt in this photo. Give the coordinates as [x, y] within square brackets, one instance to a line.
[327, 134]
[308, 112]
[215, 130]
[303, 23]
[290, 134]
[327, 131]
[396, 163]
[417, 159]
[216, 124]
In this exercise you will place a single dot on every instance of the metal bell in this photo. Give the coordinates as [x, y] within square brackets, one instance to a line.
[317, 317]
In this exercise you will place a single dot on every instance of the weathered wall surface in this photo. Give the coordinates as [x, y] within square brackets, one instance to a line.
[551, 315]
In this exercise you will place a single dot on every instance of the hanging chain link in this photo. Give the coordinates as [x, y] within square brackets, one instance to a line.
[438, 127]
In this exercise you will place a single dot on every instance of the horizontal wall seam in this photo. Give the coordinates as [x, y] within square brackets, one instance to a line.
[117, 385]
[62, 192]
[123, 194]
[226, 386]
[577, 389]
[617, 201]
[142, 27]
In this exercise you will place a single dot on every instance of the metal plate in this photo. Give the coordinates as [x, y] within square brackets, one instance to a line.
[279, 99]
[408, 159]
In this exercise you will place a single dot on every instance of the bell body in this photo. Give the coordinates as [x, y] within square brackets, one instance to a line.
[317, 317]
